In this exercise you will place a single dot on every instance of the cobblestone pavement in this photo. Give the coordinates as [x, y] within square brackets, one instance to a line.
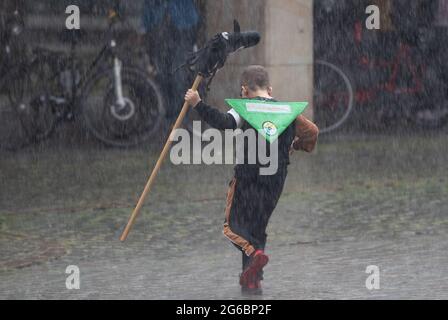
[358, 201]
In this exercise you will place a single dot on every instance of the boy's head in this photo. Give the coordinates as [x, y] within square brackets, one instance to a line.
[255, 82]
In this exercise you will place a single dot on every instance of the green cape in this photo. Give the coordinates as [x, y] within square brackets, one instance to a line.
[268, 117]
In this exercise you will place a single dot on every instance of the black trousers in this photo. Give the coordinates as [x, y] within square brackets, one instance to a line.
[251, 199]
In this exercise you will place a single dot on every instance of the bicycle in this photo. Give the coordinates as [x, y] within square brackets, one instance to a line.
[119, 104]
[404, 83]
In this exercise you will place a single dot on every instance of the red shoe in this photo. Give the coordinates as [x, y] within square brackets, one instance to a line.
[249, 278]
[252, 288]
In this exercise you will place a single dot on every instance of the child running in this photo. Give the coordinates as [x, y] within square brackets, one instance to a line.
[252, 197]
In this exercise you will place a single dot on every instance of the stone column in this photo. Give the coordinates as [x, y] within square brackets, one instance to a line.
[286, 48]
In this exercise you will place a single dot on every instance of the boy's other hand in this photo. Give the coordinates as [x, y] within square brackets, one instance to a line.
[292, 148]
[192, 97]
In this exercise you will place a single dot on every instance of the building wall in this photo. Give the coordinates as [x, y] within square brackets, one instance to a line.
[286, 48]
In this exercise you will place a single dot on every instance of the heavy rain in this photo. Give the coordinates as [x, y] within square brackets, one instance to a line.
[91, 89]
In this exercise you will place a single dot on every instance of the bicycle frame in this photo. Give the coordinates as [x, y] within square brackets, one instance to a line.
[71, 102]
[402, 58]
[59, 86]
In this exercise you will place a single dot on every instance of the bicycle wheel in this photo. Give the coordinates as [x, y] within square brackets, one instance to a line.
[122, 126]
[12, 134]
[333, 96]
[31, 94]
[431, 108]
[26, 114]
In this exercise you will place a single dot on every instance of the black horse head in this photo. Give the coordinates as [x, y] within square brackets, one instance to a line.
[212, 57]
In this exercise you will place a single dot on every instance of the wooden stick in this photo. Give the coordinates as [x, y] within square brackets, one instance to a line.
[156, 169]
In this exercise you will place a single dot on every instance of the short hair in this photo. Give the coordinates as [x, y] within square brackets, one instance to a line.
[255, 77]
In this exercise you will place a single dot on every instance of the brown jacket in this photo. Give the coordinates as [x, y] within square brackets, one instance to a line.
[306, 134]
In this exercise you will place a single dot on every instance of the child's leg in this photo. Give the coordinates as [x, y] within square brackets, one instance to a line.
[246, 260]
[250, 203]
[269, 190]
[239, 210]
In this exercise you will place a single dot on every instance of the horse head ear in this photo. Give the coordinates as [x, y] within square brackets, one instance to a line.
[236, 26]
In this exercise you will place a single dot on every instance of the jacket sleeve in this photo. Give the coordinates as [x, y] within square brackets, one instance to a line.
[215, 118]
[307, 133]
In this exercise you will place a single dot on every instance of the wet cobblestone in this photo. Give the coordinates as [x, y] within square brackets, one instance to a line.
[355, 202]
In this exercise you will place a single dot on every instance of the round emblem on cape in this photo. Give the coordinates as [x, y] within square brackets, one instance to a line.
[269, 128]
